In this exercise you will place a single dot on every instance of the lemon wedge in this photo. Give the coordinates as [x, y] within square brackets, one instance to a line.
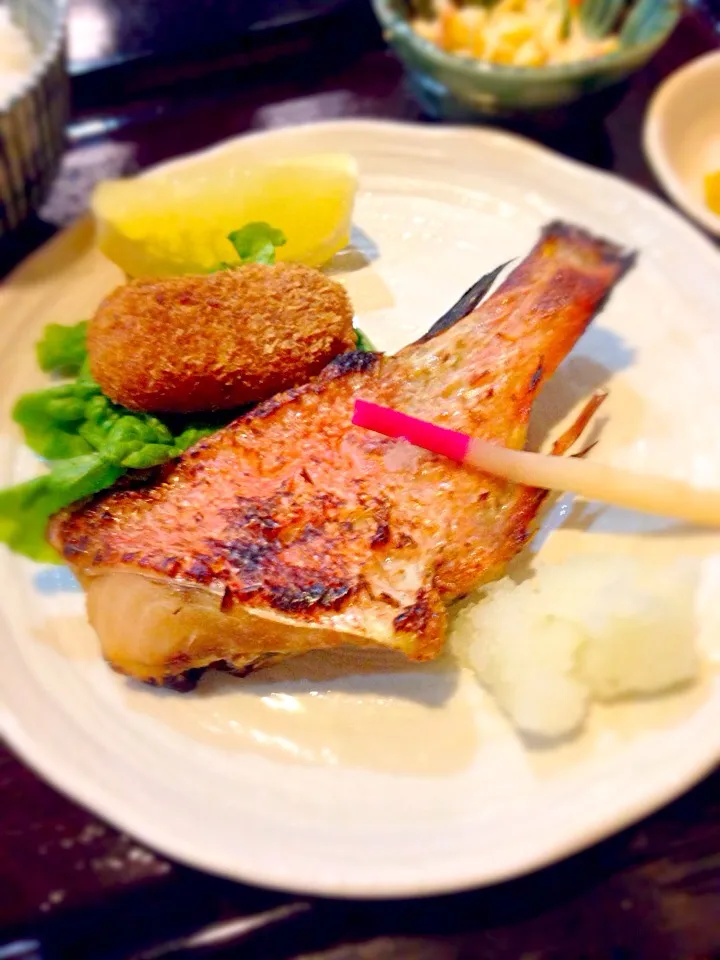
[712, 191]
[176, 220]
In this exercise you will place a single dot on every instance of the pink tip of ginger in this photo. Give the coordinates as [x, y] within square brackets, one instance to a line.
[392, 423]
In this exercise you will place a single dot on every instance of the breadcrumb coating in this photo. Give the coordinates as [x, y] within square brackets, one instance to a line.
[192, 343]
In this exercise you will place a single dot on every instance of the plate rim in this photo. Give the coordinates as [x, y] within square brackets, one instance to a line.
[98, 800]
[40, 761]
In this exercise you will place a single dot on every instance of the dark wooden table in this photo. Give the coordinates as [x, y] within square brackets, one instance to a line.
[70, 886]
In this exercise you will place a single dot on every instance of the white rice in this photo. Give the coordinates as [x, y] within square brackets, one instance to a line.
[592, 628]
[16, 56]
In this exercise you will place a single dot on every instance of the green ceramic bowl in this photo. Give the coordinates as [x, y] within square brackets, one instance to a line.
[32, 122]
[459, 88]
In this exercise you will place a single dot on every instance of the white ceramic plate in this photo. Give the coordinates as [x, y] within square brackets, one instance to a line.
[344, 776]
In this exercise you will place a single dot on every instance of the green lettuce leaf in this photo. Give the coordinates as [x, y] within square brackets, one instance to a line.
[90, 443]
[256, 242]
[63, 350]
[363, 342]
[52, 421]
[26, 508]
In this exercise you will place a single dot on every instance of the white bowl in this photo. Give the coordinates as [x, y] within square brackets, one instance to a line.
[682, 135]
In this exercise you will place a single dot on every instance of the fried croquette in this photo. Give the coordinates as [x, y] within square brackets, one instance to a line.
[193, 343]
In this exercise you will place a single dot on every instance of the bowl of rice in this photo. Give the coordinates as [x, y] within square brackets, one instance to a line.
[34, 104]
[466, 58]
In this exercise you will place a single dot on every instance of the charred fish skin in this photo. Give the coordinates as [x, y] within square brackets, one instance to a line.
[292, 530]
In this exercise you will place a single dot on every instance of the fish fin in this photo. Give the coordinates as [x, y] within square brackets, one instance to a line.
[466, 304]
[587, 242]
[574, 431]
[591, 244]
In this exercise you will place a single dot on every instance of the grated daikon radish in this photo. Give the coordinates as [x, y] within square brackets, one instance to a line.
[592, 628]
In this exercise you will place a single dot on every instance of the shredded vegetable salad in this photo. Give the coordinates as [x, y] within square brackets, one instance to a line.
[521, 33]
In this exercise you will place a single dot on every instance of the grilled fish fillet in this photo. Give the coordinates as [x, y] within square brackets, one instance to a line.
[291, 530]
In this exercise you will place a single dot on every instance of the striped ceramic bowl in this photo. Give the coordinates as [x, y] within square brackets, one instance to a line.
[32, 122]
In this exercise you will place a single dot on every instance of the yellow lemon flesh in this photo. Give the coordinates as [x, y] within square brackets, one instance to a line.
[712, 191]
[176, 220]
